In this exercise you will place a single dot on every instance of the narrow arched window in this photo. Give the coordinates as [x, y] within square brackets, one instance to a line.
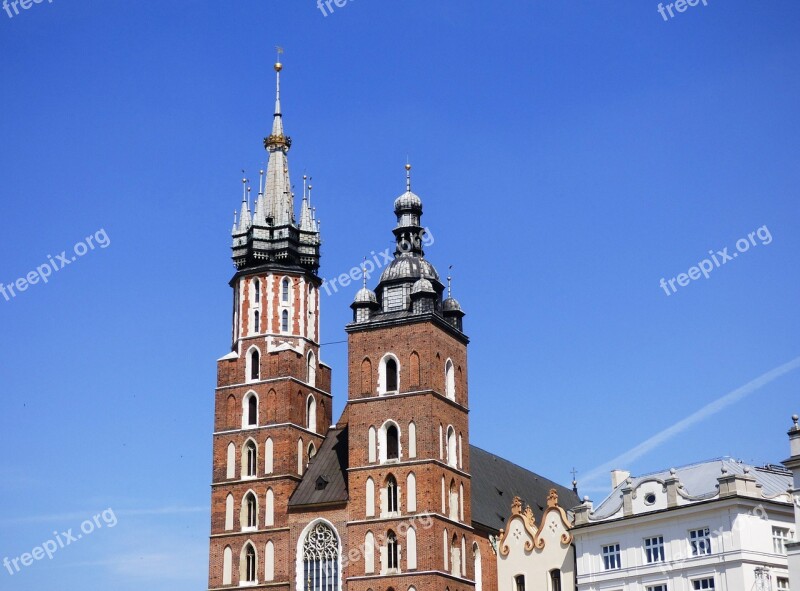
[250, 511]
[391, 495]
[312, 451]
[452, 449]
[227, 566]
[251, 459]
[256, 321]
[311, 414]
[285, 321]
[476, 556]
[555, 580]
[256, 291]
[450, 380]
[392, 551]
[519, 583]
[255, 365]
[320, 556]
[252, 411]
[453, 501]
[311, 370]
[391, 375]
[392, 443]
[285, 291]
[250, 564]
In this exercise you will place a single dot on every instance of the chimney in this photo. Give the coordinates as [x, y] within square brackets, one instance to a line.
[618, 477]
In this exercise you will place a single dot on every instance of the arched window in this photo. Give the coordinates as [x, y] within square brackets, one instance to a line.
[231, 463]
[285, 290]
[391, 375]
[370, 509]
[450, 380]
[555, 580]
[272, 407]
[460, 453]
[391, 495]
[411, 493]
[453, 501]
[519, 583]
[366, 377]
[227, 566]
[256, 291]
[300, 452]
[452, 455]
[311, 370]
[441, 442]
[229, 513]
[269, 562]
[413, 370]
[250, 410]
[461, 502]
[371, 443]
[268, 453]
[476, 557]
[369, 553]
[392, 443]
[311, 413]
[285, 321]
[250, 460]
[249, 517]
[320, 560]
[254, 363]
[455, 557]
[412, 440]
[411, 549]
[256, 321]
[232, 412]
[463, 555]
[312, 451]
[392, 553]
[249, 564]
[446, 551]
[269, 514]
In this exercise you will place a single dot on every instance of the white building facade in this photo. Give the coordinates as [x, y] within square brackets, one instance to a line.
[793, 464]
[713, 526]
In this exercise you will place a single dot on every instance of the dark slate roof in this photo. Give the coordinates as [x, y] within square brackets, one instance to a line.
[329, 464]
[495, 483]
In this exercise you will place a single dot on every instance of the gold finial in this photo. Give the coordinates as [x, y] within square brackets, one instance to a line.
[278, 64]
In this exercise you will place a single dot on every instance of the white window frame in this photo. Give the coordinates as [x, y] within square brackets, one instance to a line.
[654, 550]
[700, 541]
[611, 556]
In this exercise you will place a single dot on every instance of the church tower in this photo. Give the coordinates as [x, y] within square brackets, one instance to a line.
[273, 402]
[407, 417]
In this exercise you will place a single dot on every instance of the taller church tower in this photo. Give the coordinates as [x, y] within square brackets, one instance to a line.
[273, 402]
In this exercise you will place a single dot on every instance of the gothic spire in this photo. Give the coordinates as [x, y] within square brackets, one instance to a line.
[244, 218]
[277, 190]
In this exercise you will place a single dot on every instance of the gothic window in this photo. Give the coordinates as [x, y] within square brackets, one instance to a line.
[249, 574]
[256, 321]
[250, 459]
[311, 372]
[372, 445]
[311, 414]
[411, 548]
[412, 440]
[320, 556]
[231, 463]
[229, 513]
[391, 495]
[411, 493]
[413, 370]
[391, 375]
[453, 501]
[256, 291]
[255, 365]
[476, 556]
[452, 459]
[450, 380]
[285, 321]
[227, 566]
[269, 562]
[392, 443]
[269, 518]
[370, 510]
[312, 451]
[392, 553]
[250, 512]
[268, 453]
[519, 583]
[366, 377]
[251, 410]
[285, 291]
[369, 553]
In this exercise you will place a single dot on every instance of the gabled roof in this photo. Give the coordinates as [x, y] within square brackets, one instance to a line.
[495, 483]
[325, 479]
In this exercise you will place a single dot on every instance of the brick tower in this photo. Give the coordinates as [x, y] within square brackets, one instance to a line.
[273, 402]
[407, 417]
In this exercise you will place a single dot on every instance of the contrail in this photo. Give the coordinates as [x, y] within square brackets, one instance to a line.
[707, 411]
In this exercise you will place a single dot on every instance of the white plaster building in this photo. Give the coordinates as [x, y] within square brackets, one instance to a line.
[714, 526]
[536, 557]
[793, 464]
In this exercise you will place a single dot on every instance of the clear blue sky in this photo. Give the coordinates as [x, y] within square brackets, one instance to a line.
[569, 155]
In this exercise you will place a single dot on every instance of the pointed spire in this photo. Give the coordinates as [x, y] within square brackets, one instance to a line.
[306, 219]
[259, 215]
[408, 176]
[244, 218]
[235, 229]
